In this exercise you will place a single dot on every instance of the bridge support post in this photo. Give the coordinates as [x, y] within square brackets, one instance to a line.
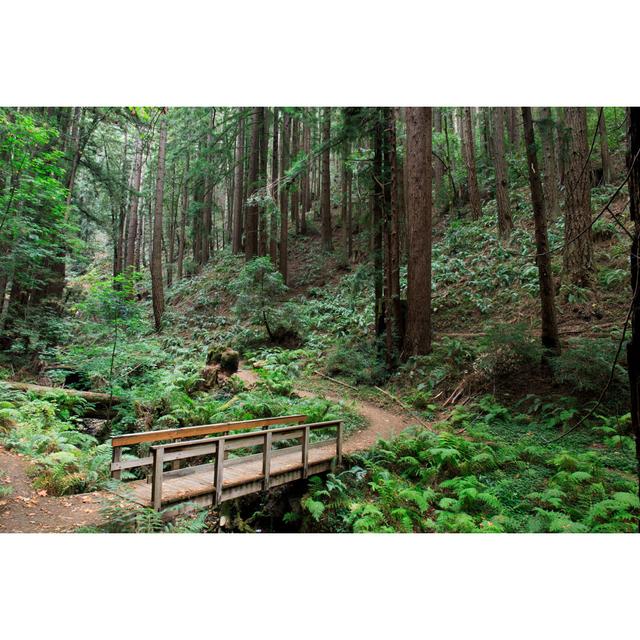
[156, 485]
[116, 456]
[305, 451]
[266, 461]
[219, 471]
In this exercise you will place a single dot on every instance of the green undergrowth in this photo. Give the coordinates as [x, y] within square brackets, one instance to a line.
[47, 429]
[486, 469]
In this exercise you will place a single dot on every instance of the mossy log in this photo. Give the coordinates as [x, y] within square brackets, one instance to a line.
[101, 401]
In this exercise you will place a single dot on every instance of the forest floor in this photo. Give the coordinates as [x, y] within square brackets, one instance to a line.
[26, 510]
[380, 422]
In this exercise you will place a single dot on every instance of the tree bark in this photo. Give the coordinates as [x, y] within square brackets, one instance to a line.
[505, 223]
[262, 182]
[376, 220]
[306, 201]
[207, 206]
[251, 240]
[418, 202]
[604, 149]
[438, 165]
[295, 196]
[133, 207]
[551, 178]
[157, 289]
[633, 346]
[549, 334]
[470, 161]
[236, 242]
[284, 198]
[325, 204]
[273, 240]
[578, 267]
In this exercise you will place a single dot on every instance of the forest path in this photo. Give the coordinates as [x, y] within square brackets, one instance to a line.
[381, 423]
[29, 511]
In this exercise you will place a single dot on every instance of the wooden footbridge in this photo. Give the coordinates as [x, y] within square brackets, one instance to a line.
[188, 467]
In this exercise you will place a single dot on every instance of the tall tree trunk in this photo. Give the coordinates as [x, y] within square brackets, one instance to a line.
[452, 184]
[262, 181]
[578, 267]
[470, 161]
[238, 203]
[376, 220]
[418, 199]
[551, 178]
[207, 206]
[561, 147]
[118, 258]
[273, 240]
[157, 289]
[633, 346]
[604, 149]
[438, 165]
[514, 130]
[549, 335]
[182, 240]
[251, 241]
[505, 224]
[306, 177]
[139, 242]
[325, 204]
[133, 206]
[295, 194]
[284, 198]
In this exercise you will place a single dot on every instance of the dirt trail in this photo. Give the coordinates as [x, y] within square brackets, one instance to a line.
[381, 423]
[29, 511]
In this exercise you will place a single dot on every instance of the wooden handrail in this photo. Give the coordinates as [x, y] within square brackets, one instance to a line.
[118, 442]
[242, 436]
[202, 429]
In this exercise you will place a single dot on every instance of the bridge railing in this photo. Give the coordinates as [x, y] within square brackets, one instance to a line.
[118, 443]
[219, 446]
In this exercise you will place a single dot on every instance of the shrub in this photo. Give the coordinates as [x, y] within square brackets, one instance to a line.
[358, 361]
[586, 365]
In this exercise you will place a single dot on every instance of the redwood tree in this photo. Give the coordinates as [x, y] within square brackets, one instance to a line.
[157, 290]
[238, 204]
[325, 202]
[549, 334]
[133, 206]
[578, 252]
[550, 165]
[470, 161]
[251, 226]
[418, 203]
[505, 224]
[633, 346]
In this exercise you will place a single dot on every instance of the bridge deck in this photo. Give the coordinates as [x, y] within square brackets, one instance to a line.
[242, 476]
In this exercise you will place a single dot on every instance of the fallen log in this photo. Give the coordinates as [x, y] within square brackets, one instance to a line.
[103, 402]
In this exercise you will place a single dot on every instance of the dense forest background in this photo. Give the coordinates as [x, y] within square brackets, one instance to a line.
[468, 267]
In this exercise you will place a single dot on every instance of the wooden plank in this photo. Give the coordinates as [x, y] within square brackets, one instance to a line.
[339, 444]
[116, 456]
[201, 430]
[175, 465]
[305, 453]
[156, 485]
[266, 460]
[131, 464]
[219, 470]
